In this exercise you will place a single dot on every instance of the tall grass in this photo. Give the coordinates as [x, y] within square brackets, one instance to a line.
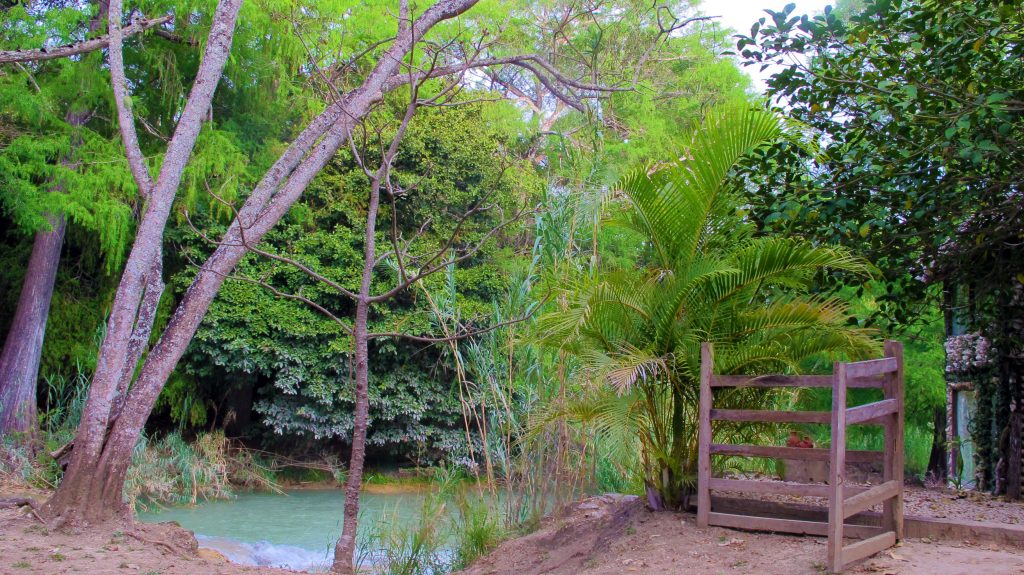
[164, 471]
[504, 380]
[32, 465]
[477, 528]
[172, 471]
[399, 547]
[456, 524]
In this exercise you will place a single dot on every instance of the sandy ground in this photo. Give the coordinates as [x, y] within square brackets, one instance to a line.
[28, 547]
[600, 536]
[963, 505]
[607, 535]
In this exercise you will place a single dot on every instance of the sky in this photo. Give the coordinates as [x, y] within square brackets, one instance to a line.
[740, 15]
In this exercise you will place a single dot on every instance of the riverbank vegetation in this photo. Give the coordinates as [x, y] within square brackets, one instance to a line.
[474, 247]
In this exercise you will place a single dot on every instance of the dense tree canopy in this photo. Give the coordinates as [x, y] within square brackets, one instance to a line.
[920, 106]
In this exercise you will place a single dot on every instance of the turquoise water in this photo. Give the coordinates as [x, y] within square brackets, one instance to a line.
[296, 530]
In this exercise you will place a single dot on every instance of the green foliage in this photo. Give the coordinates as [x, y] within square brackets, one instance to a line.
[918, 102]
[921, 166]
[637, 332]
[401, 547]
[54, 161]
[298, 360]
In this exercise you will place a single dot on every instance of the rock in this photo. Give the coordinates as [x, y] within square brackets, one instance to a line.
[211, 555]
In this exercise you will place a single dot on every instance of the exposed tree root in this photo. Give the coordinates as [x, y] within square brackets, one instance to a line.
[155, 542]
[11, 502]
[33, 506]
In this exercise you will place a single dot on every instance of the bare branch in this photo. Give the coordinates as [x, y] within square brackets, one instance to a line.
[464, 334]
[125, 118]
[294, 297]
[7, 56]
[468, 253]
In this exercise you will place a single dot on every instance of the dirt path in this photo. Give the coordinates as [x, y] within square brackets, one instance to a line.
[946, 503]
[27, 547]
[606, 536]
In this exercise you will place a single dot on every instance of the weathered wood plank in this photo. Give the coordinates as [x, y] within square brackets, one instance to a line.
[837, 469]
[707, 361]
[776, 487]
[871, 367]
[871, 411]
[806, 489]
[868, 499]
[892, 468]
[867, 547]
[771, 416]
[756, 523]
[808, 454]
[771, 381]
[867, 382]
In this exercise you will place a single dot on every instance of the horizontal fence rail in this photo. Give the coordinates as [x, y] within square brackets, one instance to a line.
[845, 501]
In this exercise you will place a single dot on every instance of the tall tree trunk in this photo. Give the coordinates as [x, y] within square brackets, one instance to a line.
[345, 548]
[937, 457]
[19, 362]
[91, 489]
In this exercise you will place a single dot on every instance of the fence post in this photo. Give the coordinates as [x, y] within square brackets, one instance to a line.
[892, 510]
[707, 361]
[837, 469]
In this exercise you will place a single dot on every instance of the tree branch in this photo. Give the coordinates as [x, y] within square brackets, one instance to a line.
[464, 334]
[125, 118]
[8, 56]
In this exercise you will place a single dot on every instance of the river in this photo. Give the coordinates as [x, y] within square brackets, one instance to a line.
[296, 530]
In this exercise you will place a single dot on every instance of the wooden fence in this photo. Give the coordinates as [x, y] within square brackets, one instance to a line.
[844, 501]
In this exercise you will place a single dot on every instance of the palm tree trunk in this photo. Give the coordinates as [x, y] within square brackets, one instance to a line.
[673, 490]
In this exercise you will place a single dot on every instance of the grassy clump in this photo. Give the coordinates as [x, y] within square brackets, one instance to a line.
[478, 528]
[172, 471]
[455, 526]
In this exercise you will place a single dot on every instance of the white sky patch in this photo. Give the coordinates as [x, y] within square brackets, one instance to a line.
[740, 15]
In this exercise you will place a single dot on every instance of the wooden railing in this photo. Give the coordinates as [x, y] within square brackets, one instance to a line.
[844, 501]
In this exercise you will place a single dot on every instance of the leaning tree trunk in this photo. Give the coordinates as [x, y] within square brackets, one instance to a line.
[91, 489]
[19, 362]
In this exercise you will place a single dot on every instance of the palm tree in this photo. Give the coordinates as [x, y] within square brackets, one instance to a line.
[706, 277]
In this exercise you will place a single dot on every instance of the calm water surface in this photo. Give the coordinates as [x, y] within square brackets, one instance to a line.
[295, 530]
